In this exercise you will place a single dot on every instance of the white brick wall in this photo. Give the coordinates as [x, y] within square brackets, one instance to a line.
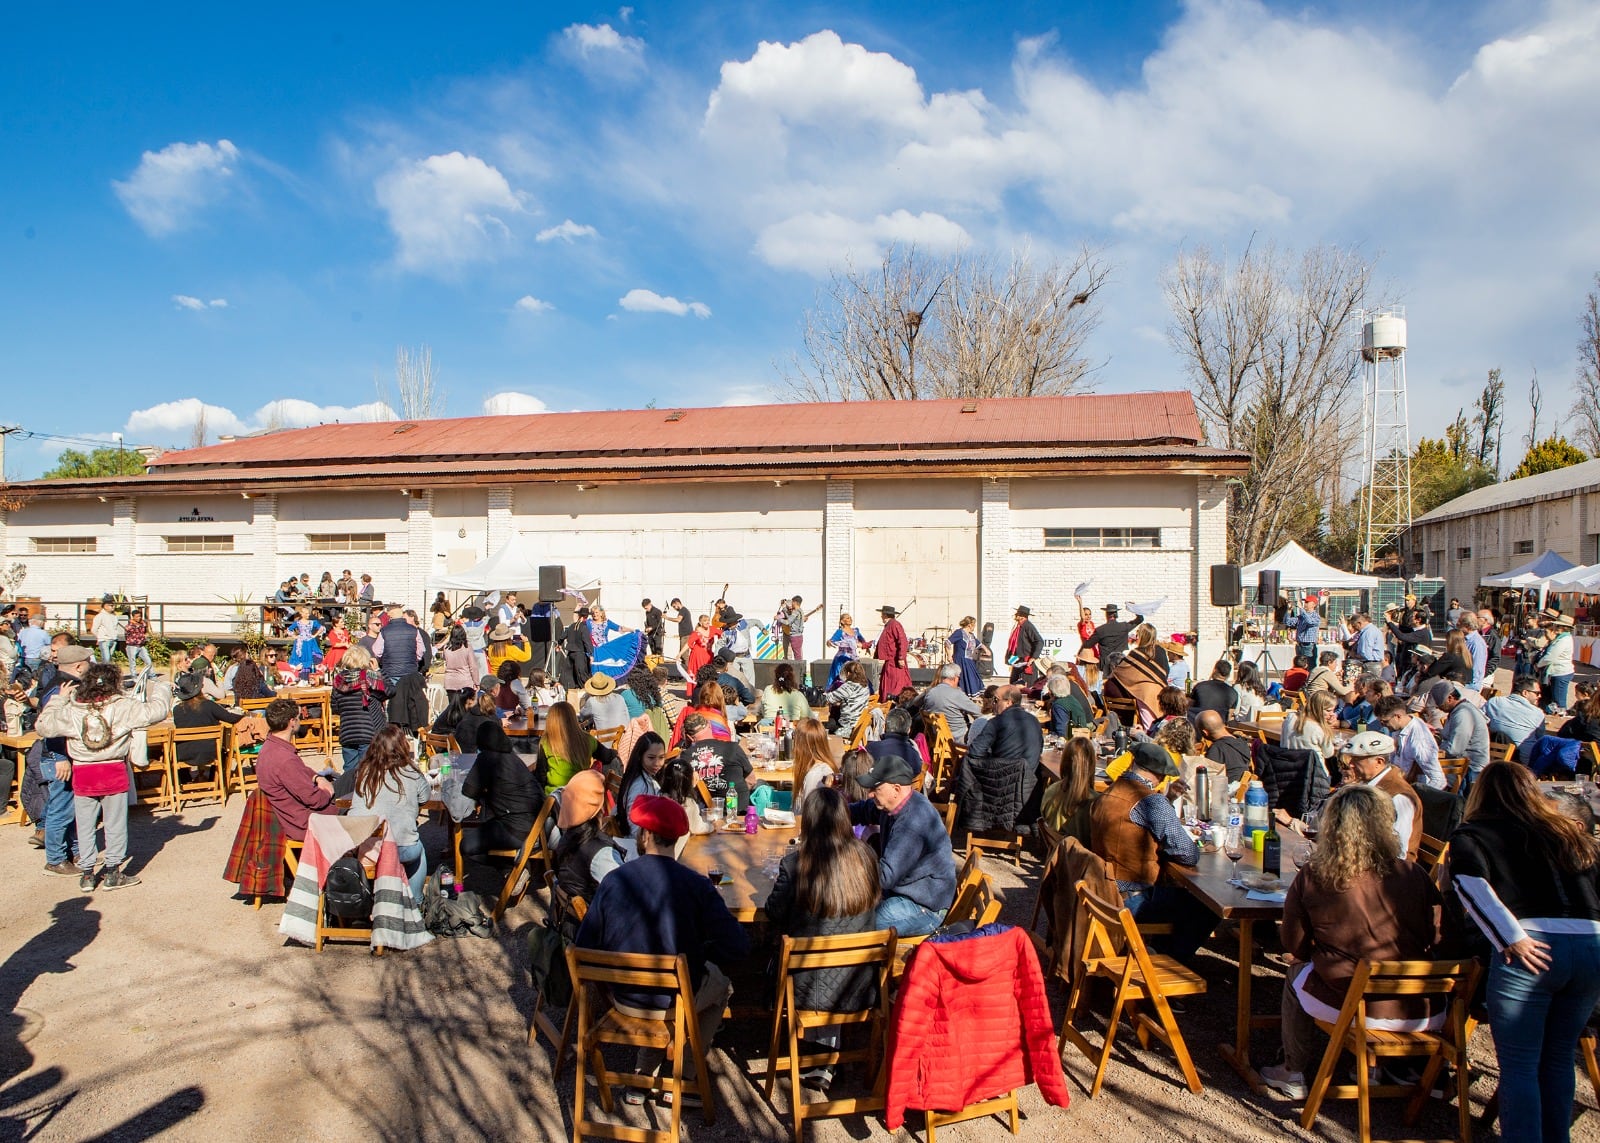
[838, 554]
[500, 502]
[419, 549]
[997, 599]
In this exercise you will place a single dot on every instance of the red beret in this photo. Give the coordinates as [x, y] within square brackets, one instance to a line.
[661, 816]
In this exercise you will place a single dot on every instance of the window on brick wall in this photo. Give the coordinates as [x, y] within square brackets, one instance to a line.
[1463, 553]
[1522, 548]
[347, 542]
[199, 543]
[64, 545]
[1102, 537]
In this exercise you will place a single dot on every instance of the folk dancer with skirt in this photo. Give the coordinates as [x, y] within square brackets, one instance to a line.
[848, 644]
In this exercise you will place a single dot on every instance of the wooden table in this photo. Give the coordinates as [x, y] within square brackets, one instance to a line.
[19, 741]
[1209, 882]
[749, 862]
[1272, 729]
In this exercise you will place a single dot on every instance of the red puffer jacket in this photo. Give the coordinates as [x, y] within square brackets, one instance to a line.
[972, 1022]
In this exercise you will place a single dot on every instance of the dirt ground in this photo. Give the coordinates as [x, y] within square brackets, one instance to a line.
[174, 1009]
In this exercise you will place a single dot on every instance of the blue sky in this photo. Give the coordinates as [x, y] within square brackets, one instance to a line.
[582, 207]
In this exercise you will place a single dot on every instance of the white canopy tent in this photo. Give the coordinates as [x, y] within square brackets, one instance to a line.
[512, 568]
[1533, 574]
[1575, 579]
[1297, 567]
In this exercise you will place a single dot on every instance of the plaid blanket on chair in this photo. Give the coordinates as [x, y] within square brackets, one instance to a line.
[255, 863]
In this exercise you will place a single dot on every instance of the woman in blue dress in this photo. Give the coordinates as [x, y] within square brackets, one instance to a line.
[306, 654]
[848, 644]
[965, 650]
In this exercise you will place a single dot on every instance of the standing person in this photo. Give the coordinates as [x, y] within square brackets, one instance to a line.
[106, 628]
[1356, 899]
[338, 644]
[60, 818]
[135, 636]
[685, 621]
[506, 611]
[579, 650]
[1365, 647]
[389, 785]
[360, 700]
[1024, 646]
[791, 619]
[1307, 625]
[98, 719]
[695, 652]
[32, 643]
[655, 627]
[891, 650]
[600, 629]
[306, 653]
[848, 644]
[400, 649]
[460, 663]
[1555, 663]
[368, 594]
[1526, 875]
[1477, 649]
[827, 886]
[965, 651]
[1110, 639]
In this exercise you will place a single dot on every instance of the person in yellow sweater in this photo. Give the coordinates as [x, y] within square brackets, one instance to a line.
[504, 645]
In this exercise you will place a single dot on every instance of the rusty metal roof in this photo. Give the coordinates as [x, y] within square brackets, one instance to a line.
[773, 431]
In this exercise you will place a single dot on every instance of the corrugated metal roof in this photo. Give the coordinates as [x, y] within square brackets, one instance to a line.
[1583, 477]
[1129, 418]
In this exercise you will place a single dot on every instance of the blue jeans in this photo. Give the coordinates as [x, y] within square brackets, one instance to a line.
[906, 917]
[1560, 689]
[353, 755]
[108, 649]
[60, 816]
[1536, 1020]
[1191, 921]
[136, 655]
[415, 860]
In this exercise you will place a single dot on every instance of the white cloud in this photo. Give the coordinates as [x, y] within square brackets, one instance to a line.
[566, 232]
[171, 185]
[815, 241]
[447, 210]
[186, 302]
[529, 304]
[650, 302]
[172, 422]
[747, 395]
[601, 48]
[512, 404]
[293, 413]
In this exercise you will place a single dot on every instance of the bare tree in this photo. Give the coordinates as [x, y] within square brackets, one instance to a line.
[1535, 403]
[964, 325]
[420, 395]
[1488, 421]
[1586, 409]
[197, 435]
[1269, 344]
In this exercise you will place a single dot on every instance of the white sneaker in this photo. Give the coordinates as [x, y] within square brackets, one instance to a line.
[1281, 1080]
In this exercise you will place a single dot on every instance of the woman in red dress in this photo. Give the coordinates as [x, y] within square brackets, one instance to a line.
[697, 647]
[338, 644]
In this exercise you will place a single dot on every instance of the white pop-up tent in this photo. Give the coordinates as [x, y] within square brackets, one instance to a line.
[1575, 579]
[511, 568]
[1297, 567]
[1535, 573]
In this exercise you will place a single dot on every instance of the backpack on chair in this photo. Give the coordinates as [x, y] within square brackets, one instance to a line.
[347, 893]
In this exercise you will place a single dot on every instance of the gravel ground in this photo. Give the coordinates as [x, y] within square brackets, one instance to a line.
[172, 1008]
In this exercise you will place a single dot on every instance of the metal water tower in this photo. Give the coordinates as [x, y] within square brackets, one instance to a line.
[1385, 436]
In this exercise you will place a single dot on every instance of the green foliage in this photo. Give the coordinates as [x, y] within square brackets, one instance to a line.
[160, 653]
[73, 464]
[1441, 470]
[1547, 456]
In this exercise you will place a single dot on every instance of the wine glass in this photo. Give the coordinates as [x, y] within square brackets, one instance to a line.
[1233, 850]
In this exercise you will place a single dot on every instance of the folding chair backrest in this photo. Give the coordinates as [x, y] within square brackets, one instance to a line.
[1103, 937]
[1431, 852]
[703, 792]
[858, 737]
[977, 903]
[611, 737]
[256, 705]
[848, 950]
[1455, 772]
[1126, 710]
[436, 743]
[1452, 981]
[644, 972]
[198, 734]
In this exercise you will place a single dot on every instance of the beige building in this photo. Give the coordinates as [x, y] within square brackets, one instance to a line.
[1492, 530]
[964, 507]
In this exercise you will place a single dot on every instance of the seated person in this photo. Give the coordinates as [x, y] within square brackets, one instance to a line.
[1356, 713]
[1135, 831]
[510, 696]
[1325, 677]
[898, 727]
[1465, 733]
[1066, 804]
[1312, 729]
[736, 711]
[641, 775]
[720, 764]
[1070, 707]
[946, 697]
[584, 854]
[291, 788]
[998, 786]
[1295, 677]
[657, 906]
[1224, 747]
[193, 711]
[727, 678]
[916, 865]
[849, 698]
[1416, 753]
[708, 704]
[566, 749]
[388, 784]
[507, 792]
[1365, 760]
[782, 697]
[602, 705]
[1356, 899]
[1517, 715]
[1216, 693]
[1171, 703]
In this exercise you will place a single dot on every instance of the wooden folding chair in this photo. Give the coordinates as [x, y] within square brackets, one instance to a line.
[291, 862]
[341, 930]
[948, 812]
[458, 830]
[255, 705]
[1586, 1052]
[1450, 982]
[597, 1027]
[611, 737]
[1114, 950]
[1126, 710]
[1455, 773]
[240, 770]
[703, 792]
[1041, 944]
[436, 743]
[534, 848]
[963, 905]
[181, 790]
[941, 752]
[858, 736]
[1433, 855]
[875, 950]
[561, 907]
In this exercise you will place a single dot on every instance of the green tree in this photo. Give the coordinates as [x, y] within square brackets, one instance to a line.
[75, 465]
[1441, 470]
[1547, 456]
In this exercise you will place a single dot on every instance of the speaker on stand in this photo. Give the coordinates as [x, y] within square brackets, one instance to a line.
[1227, 590]
[552, 579]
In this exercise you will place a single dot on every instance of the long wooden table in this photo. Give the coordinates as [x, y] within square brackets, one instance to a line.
[1208, 881]
[750, 863]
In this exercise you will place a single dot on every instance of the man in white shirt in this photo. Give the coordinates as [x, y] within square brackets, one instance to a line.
[1366, 759]
[1416, 753]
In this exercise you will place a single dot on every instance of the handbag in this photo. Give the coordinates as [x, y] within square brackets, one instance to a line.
[547, 964]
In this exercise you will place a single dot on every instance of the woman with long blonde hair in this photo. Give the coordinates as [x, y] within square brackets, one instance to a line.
[1356, 899]
[813, 758]
[566, 748]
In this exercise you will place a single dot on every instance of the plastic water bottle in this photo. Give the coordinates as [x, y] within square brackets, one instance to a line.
[731, 802]
[752, 820]
[1255, 810]
[1235, 818]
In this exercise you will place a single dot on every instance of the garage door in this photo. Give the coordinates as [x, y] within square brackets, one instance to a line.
[938, 567]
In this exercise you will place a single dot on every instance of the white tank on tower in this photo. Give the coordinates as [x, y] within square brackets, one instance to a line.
[1383, 335]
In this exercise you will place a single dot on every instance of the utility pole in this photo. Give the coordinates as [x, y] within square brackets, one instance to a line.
[5, 431]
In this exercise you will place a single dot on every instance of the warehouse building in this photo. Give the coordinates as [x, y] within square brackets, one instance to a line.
[964, 507]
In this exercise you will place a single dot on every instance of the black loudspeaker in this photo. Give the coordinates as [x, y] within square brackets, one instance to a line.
[1227, 590]
[1267, 589]
[539, 628]
[552, 579]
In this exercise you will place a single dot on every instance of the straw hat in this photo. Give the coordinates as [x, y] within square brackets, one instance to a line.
[599, 685]
[500, 634]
